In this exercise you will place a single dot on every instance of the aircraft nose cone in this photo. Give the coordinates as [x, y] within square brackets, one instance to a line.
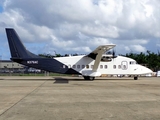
[150, 71]
[147, 70]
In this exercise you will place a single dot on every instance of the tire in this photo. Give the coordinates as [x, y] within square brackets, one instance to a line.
[92, 78]
[135, 77]
[88, 78]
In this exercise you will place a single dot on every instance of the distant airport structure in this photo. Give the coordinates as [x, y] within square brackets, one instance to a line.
[8, 65]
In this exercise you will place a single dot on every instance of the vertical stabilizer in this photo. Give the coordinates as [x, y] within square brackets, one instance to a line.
[17, 49]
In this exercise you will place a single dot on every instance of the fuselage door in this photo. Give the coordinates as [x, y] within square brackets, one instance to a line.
[124, 65]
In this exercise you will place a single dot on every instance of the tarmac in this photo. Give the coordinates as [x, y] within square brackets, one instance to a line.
[72, 98]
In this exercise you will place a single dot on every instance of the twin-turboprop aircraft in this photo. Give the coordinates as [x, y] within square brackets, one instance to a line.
[89, 66]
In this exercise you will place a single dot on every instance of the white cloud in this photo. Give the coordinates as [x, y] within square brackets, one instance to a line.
[140, 41]
[127, 48]
[135, 48]
[61, 43]
[80, 50]
[82, 25]
[98, 41]
[158, 45]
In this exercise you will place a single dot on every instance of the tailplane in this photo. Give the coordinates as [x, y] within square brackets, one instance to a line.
[17, 49]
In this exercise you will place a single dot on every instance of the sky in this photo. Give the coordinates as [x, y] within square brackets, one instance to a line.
[79, 26]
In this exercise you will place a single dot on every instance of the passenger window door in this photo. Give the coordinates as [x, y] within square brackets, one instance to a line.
[124, 65]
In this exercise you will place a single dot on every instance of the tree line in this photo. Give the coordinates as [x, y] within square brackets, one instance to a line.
[148, 59]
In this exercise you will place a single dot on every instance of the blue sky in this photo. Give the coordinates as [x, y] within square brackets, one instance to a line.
[1, 9]
[1, 5]
[79, 26]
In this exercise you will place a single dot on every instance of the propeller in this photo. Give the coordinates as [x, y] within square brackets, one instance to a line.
[113, 54]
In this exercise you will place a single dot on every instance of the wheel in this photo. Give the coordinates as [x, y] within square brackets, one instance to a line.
[92, 78]
[88, 78]
[135, 77]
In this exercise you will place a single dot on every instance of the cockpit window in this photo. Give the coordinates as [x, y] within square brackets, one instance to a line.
[133, 62]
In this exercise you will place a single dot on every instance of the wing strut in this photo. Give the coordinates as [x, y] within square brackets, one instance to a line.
[97, 60]
[97, 54]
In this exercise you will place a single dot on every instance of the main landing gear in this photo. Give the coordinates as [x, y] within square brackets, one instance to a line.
[135, 77]
[88, 78]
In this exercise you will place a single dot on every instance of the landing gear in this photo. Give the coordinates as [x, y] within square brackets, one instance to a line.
[88, 78]
[135, 77]
[92, 78]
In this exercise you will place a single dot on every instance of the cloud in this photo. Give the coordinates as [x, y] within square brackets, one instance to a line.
[158, 45]
[80, 25]
[135, 48]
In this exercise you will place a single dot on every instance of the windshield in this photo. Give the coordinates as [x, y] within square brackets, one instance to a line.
[133, 62]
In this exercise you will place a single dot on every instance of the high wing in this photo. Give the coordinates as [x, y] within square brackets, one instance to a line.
[97, 54]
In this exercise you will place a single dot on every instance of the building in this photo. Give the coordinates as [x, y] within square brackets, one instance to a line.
[10, 66]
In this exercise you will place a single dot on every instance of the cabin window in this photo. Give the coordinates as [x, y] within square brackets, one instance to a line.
[78, 66]
[101, 66]
[132, 62]
[105, 66]
[64, 66]
[87, 66]
[114, 66]
[124, 67]
[74, 66]
[83, 66]
[119, 66]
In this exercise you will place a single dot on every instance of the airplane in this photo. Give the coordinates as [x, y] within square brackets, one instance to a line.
[89, 66]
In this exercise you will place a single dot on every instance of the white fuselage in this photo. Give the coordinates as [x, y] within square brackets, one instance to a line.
[111, 66]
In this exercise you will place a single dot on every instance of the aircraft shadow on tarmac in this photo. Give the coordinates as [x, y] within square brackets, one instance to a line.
[60, 80]
[65, 80]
